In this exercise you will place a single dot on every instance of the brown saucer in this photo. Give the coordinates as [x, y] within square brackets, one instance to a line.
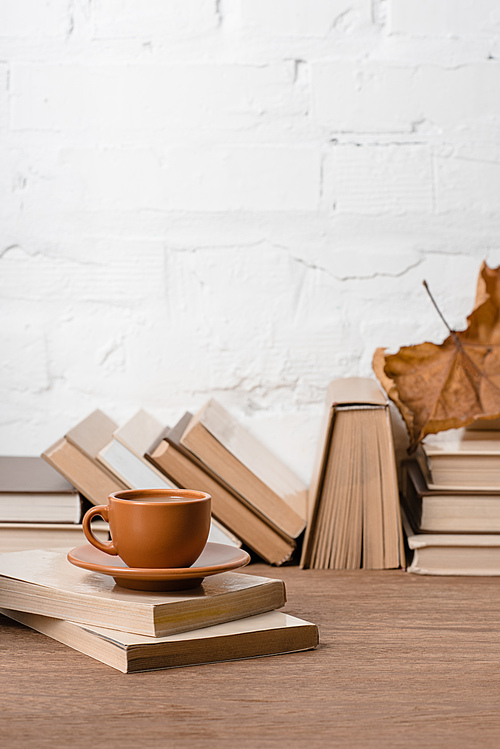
[215, 558]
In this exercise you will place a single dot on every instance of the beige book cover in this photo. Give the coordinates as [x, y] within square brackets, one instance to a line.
[463, 442]
[44, 582]
[140, 432]
[462, 458]
[455, 554]
[92, 433]
[273, 633]
[447, 510]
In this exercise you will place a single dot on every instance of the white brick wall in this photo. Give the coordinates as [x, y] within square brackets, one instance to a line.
[303, 18]
[236, 198]
[383, 98]
[127, 19]
[119, 101]
[375, 179]
[26, 19]
[444, 17]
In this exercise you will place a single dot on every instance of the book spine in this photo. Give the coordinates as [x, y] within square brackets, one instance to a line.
[226, 507]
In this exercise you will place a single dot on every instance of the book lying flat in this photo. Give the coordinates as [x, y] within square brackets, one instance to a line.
[24, 536]
[432, 510]
[44, 582]
[463, 459]
[273, 633]
[124, 457]
[243, 464]
[455, 554]
[354, 502]
[32, 491]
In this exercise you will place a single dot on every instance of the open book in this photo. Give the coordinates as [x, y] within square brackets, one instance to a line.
[354, 502]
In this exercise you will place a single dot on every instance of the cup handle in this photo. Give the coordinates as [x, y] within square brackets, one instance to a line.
[107, 546]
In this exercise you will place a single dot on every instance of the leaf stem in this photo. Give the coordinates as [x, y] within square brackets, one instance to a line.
[436, 307]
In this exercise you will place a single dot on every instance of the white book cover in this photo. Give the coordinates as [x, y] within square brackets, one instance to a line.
[131, 469]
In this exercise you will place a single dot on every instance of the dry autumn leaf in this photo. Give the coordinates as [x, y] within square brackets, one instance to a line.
[450, 385]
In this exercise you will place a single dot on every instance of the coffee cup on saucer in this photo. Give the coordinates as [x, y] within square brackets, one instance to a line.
[154, 528]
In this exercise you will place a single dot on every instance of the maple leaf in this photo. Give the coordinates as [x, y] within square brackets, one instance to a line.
[446, 386]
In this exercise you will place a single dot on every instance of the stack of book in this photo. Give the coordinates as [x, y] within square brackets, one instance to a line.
[254, 494]
[38, 507]
[231, 616]
[451, 501]
[354, 519]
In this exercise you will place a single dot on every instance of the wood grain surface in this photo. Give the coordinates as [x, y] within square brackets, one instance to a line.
[404, 660]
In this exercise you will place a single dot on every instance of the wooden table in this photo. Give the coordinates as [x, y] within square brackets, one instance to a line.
[404, 660]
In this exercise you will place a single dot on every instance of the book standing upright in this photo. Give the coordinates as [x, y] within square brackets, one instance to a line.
[354, 519]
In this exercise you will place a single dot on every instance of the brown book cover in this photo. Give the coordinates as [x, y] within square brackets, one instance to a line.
[178, 465]
[92, 480]
[75, 456]
[244, 465]
[174, 437]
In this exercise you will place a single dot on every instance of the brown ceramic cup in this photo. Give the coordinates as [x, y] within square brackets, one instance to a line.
[154, 528]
